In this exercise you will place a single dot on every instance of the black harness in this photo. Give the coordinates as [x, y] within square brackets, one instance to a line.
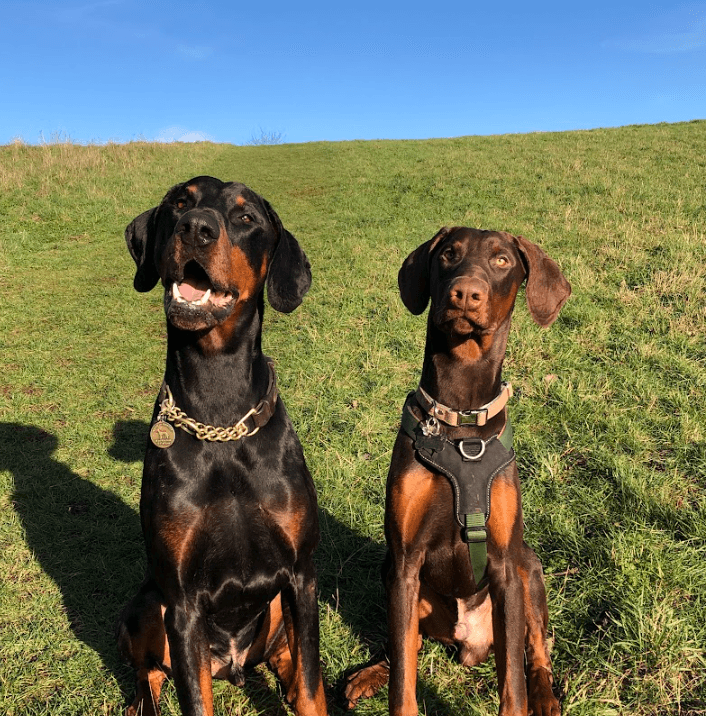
[470, 464]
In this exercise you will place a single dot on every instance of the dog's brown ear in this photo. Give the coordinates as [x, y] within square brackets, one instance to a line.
[289, 272]
[140, 239]
[413, 278]
[547, 290]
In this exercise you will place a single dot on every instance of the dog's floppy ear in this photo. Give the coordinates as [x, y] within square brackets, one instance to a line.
[547, 290]
[413, 278]
[289, 272]
[140, 239]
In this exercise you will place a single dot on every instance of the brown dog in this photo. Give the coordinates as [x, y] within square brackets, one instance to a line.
[457, 567]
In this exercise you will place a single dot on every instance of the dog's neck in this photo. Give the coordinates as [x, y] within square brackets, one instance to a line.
[464, 372]
[218, 375]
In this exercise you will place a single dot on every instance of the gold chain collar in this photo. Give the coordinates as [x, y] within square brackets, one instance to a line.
[168, 410]
[162, 433]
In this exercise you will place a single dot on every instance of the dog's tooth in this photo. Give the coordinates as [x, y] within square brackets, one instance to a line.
[204, 298]
[176, 293]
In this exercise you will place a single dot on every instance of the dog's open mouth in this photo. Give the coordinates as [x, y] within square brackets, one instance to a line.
[195, 302]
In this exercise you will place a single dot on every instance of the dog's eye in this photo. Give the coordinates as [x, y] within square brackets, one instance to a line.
[181, 204]
[246, 218]
[501, 261]
[448, 254]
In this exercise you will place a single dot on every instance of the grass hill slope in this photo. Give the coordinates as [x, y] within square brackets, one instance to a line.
[610, 418]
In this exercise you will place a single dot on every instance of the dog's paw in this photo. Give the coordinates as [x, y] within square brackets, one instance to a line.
[366, 682]
[542, 701]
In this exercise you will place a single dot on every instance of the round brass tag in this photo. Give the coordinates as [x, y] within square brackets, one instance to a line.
[162, 434]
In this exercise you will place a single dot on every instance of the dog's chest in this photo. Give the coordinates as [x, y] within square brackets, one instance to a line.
[229, 539]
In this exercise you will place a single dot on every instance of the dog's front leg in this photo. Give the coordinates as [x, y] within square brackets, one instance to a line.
[505, 547]
[404, 636]
[301, 621]
[541, 699]
[191, 659]
[509, 637]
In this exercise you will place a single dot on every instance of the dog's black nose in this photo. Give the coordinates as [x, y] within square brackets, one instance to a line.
[197, 228]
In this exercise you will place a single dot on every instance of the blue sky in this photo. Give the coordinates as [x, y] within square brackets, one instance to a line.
[120, 70]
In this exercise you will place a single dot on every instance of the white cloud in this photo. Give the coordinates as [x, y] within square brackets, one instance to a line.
[182, 134]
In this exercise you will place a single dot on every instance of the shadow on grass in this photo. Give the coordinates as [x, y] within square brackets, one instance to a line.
[85, 538]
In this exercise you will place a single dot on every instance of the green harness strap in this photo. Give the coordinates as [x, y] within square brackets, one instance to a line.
[476, 536]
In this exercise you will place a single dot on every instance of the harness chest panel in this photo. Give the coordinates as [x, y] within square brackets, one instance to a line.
[470, 479]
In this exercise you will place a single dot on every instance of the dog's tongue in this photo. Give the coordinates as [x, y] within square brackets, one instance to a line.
[189, 292]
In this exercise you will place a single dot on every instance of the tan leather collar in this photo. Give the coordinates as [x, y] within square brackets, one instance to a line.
[457, 418]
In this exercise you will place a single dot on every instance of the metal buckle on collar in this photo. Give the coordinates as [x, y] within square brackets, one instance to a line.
[479, 443]
[473, 417]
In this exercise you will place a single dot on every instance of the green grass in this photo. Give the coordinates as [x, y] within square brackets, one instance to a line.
[610, 421]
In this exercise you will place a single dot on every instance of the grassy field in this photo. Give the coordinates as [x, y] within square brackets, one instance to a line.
[610, 418]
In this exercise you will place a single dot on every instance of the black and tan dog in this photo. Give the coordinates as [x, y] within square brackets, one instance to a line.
[228, 507]
[457, 567]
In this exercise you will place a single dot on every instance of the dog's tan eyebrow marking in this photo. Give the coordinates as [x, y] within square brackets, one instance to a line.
[240, 201]
[192, 188]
